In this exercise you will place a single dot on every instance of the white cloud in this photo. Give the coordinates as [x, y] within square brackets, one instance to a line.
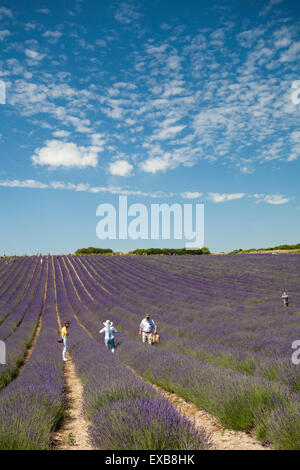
[173, 88]
[269, 6]
[80, 187]
[5, 12]
[226, 116]
[23, 184]
[173, 62]
[4, 33]
[191, 195]
[60, 134]
[127, 13]
[98, 140]
[53, 36]
[100, 42]
[291, 55]
[165, 27]
[34, 55]
[116, 112]
[81, 125]
[70, 186]
[282, 42]
[248, 37]
[217, 197]
[58, 185]
[30, 26]
[120, 168]
[44, 11]
[295, 146]
[274, 199]
[66, 154]
[154, 164]
[169, 132]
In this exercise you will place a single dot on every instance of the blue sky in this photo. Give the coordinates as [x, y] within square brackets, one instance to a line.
[162, 101]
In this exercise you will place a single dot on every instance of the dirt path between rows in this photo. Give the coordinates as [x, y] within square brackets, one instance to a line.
[222, 438]
[73, 432]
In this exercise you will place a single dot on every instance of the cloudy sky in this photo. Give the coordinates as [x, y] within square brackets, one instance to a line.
[162, 101]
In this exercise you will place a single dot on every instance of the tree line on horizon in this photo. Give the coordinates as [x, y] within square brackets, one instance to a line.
[279, 247]
[145, 251]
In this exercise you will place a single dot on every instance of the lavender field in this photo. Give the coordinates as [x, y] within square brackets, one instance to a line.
[225, 346]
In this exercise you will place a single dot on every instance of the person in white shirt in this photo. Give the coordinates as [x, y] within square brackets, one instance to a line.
[109, 337]
[147, 329]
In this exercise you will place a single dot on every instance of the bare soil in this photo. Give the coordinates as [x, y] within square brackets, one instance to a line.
[73, 433]
[222, 439]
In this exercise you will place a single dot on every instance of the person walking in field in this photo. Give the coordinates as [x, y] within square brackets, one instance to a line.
[65, 337]
[147, 329]
[285, 298]
[109, 338]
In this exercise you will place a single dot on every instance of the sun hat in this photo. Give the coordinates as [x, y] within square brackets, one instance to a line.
[147, 315]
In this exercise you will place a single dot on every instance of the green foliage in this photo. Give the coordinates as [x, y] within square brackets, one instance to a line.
[281, 426]
[145, 251]
[171, 251]
[93, 251]
[279, 247]
[71, 439]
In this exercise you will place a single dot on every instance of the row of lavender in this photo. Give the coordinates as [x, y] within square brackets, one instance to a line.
[240, 401]
[214, 335]
[14, 308]
[125, 412]
[21, 312]
[256, 400]
[32, 405]
[10, 285]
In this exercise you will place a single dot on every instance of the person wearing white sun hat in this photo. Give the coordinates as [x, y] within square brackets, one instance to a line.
[109, 337]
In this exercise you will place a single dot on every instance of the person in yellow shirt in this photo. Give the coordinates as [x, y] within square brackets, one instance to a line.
[65, 335]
